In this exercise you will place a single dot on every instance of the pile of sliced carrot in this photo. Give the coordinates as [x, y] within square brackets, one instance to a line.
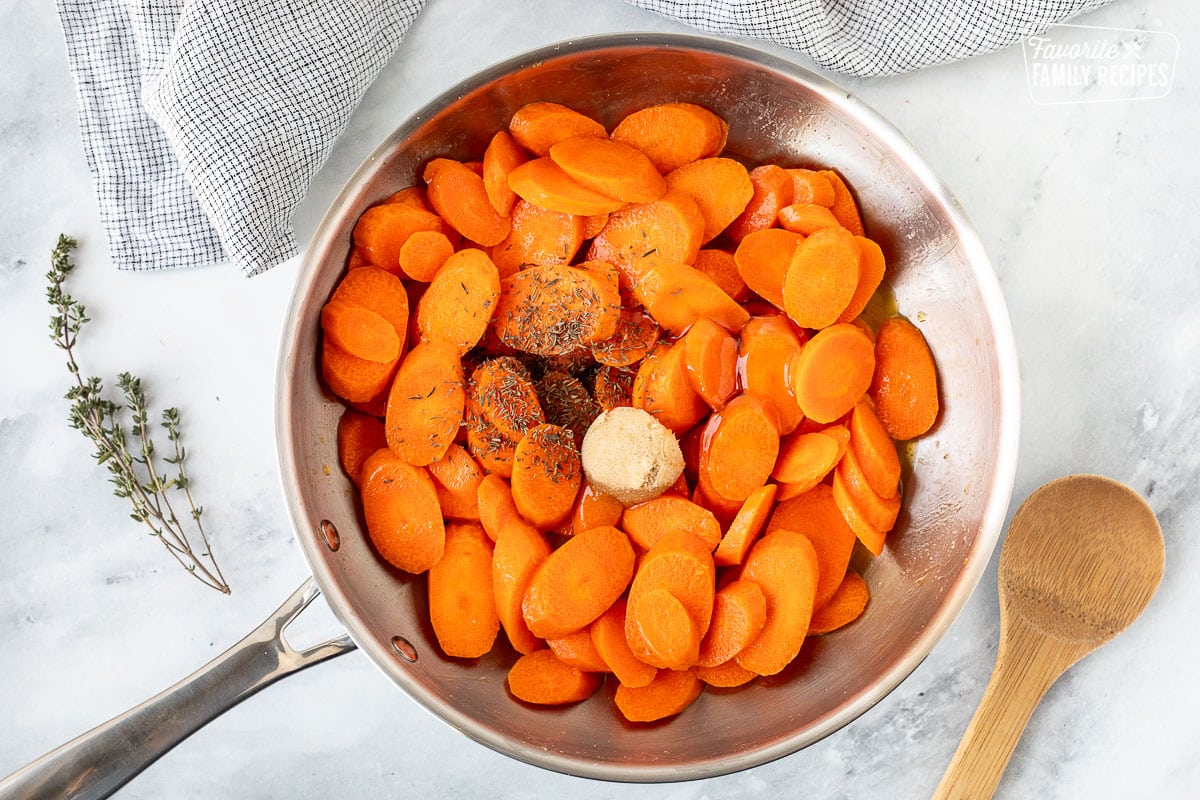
[487, 317]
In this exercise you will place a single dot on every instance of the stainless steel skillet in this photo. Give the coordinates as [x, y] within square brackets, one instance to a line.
[957, 490]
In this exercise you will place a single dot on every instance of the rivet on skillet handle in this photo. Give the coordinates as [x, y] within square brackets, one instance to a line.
[105, 758]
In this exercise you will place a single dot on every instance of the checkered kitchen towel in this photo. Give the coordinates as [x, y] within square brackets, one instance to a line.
[204, 121]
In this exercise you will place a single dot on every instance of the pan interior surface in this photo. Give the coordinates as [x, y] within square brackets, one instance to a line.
[956, 492]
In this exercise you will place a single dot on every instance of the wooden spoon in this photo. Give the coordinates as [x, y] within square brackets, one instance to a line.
[1082, 558]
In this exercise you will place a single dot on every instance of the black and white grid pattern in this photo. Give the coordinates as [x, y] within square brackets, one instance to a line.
[204, 121]
[870, 38]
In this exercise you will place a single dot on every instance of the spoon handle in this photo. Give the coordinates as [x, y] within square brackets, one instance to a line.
[1026, 666]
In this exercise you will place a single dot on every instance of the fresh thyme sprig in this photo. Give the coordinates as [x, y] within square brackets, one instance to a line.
[138, 473]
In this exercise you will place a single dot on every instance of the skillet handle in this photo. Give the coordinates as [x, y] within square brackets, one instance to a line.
[102, 760]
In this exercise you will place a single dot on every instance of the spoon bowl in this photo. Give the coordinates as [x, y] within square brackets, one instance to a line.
[1083, 556]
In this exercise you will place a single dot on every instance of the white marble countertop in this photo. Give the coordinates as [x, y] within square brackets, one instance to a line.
[1087, 211]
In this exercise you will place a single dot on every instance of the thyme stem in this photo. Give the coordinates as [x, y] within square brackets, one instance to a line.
[135, 474]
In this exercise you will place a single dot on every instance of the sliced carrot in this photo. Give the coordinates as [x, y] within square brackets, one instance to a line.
[546, 475]
[542, 678]
[743, 531]
[875, 450]
[461, 606]
[457, 194]
[673, 134]
[643, 234]
[457, 476]
[425, 403]
[520, 549]
[871, 268]
[668, 694]
[376, 406]
[553, 309]
[667, 635]
[459, 303]
[358, 436]
[846, 605]
[357, 258]
[355, 379]
[487, 443]
[378, 290]
[670, 601]
[594, 508]
[739, 614]
[784, 565]
[822, 278]
[608, 635]
[905, 384]
[610, 167]
[577, 650]
[410, 195]
[382, 230]
[578, 581]
[649, 521]
[806, 218]
[869, 514]
[538, 236]
[635, 334]
[501, 157]
[496, 506]
[773, 189]
[662, 388]
[811, 186]
[769, 344]
[816, 515]
[424, 253]
[593, 224]
[721, 188]
[722, 268]
[763, 258]
[351, 378]
[805, 458]
[740, 445]
[723, 508]
[360, 331]
[506, 396]
[401, 510]
[872, 538]
[833, 371]
[710, 354]
[677, 295]
[613, 386]
[538, 126]
[725, 676]
[844, 207]
[547, 185]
